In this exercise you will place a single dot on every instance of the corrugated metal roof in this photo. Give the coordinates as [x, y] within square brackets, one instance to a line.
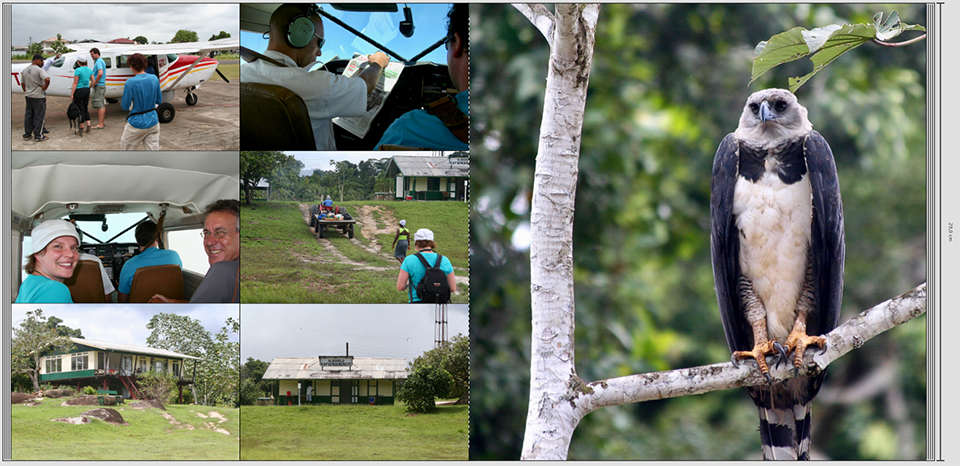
[363, 368]
[411, 165]
[130, 348]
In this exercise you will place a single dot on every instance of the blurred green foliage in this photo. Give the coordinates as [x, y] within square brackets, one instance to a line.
[668, 82]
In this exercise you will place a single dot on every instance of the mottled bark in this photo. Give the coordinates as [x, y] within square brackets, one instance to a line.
[570, 31]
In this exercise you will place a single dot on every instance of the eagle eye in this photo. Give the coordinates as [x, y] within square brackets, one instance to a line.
[754, 108]
[780, 106]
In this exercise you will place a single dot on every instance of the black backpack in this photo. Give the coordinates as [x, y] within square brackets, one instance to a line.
[433, 287]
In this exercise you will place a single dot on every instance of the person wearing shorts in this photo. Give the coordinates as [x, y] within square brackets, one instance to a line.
[98, 83]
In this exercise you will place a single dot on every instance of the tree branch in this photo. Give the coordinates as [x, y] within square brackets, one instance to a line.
[540, 16]
[899, 44]
[703, 379]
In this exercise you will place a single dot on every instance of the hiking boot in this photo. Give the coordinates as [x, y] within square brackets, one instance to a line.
[88, 130]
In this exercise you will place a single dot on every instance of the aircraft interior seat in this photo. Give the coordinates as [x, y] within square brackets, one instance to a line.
[273, 118]
[166, 280]
[86, 284]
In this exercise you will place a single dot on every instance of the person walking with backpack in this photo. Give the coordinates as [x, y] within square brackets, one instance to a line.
[428, 274]
[401, 245]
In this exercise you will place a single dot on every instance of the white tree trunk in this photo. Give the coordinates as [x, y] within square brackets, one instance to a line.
[551, 418]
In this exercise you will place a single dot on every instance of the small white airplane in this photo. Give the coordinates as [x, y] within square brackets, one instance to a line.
[174, 71]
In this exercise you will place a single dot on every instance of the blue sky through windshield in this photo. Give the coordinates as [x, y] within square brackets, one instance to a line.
[430, 21]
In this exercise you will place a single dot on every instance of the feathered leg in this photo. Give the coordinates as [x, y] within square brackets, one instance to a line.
[757, 317]
[798, 339]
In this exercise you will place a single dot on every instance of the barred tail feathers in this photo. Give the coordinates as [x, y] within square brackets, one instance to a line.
[785, 433]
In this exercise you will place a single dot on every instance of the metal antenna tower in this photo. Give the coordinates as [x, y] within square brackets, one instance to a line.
[440, 332]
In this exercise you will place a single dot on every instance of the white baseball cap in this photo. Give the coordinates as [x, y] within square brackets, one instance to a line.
[49, 231]
[423, 234]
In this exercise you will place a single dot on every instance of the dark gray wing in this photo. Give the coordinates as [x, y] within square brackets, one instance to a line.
[827, 234]
[725, 245]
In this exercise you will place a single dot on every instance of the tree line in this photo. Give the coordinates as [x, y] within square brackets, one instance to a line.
[344, 181]
[182, 35]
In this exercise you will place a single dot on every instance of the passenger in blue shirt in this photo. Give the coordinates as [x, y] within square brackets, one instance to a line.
[141, 95]
[56, 251]
[412, 270]
[149, 255]
[421, 129]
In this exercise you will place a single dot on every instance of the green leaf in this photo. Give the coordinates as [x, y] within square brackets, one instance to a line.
[840, 41]
[826, 44]
[781, 48]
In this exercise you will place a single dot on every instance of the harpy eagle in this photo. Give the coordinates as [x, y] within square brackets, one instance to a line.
[777, 248]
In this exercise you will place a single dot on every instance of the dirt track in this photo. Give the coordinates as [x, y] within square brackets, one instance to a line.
[368, 228]
[213, 124]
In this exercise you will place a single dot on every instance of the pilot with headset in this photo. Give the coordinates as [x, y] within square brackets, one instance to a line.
[296, 37]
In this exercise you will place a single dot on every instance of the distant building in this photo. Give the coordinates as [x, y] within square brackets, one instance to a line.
[123, 41]
[430, 178]
[366, 381]
[112, 366]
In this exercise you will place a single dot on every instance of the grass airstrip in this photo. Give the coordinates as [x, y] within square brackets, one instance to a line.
[353, 432]
[283, 261]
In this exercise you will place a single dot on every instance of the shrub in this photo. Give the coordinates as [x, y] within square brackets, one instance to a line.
[424, 385]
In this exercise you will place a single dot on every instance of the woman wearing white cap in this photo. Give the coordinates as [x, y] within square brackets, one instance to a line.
[400, 253]
[412, 270]
[80, 92]
[55, 255]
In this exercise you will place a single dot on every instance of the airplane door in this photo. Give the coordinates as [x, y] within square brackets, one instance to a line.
[163, 63]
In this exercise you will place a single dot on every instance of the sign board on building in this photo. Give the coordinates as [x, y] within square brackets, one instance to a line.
[456, 161]
[339, 361]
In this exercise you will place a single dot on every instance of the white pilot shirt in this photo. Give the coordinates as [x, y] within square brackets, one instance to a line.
[326, 95]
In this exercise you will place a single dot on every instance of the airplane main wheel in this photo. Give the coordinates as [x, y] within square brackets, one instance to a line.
[191, 99]
[166, 112]
[112, 101]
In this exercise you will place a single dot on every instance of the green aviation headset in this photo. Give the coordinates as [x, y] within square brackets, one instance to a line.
[300, 30]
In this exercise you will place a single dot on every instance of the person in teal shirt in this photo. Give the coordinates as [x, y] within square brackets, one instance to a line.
[424, 130]
[80, 92]
[412, 270]
[56, 251]
[149, 255]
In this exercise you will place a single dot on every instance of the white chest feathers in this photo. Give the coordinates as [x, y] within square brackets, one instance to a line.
[774, 222]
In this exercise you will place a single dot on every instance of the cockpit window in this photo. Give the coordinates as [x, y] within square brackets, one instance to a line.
[431, 26]
[58, 62]
[122, 62]
[172, 57]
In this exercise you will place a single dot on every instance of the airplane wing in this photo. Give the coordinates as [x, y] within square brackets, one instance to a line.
[186, 47]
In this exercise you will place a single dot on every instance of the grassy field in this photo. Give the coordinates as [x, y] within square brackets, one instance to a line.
[149, 436]
[284, 263]
[232, 72]
[352, 432]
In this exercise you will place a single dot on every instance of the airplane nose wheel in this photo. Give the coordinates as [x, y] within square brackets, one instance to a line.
[191, 99]
[166, 112]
